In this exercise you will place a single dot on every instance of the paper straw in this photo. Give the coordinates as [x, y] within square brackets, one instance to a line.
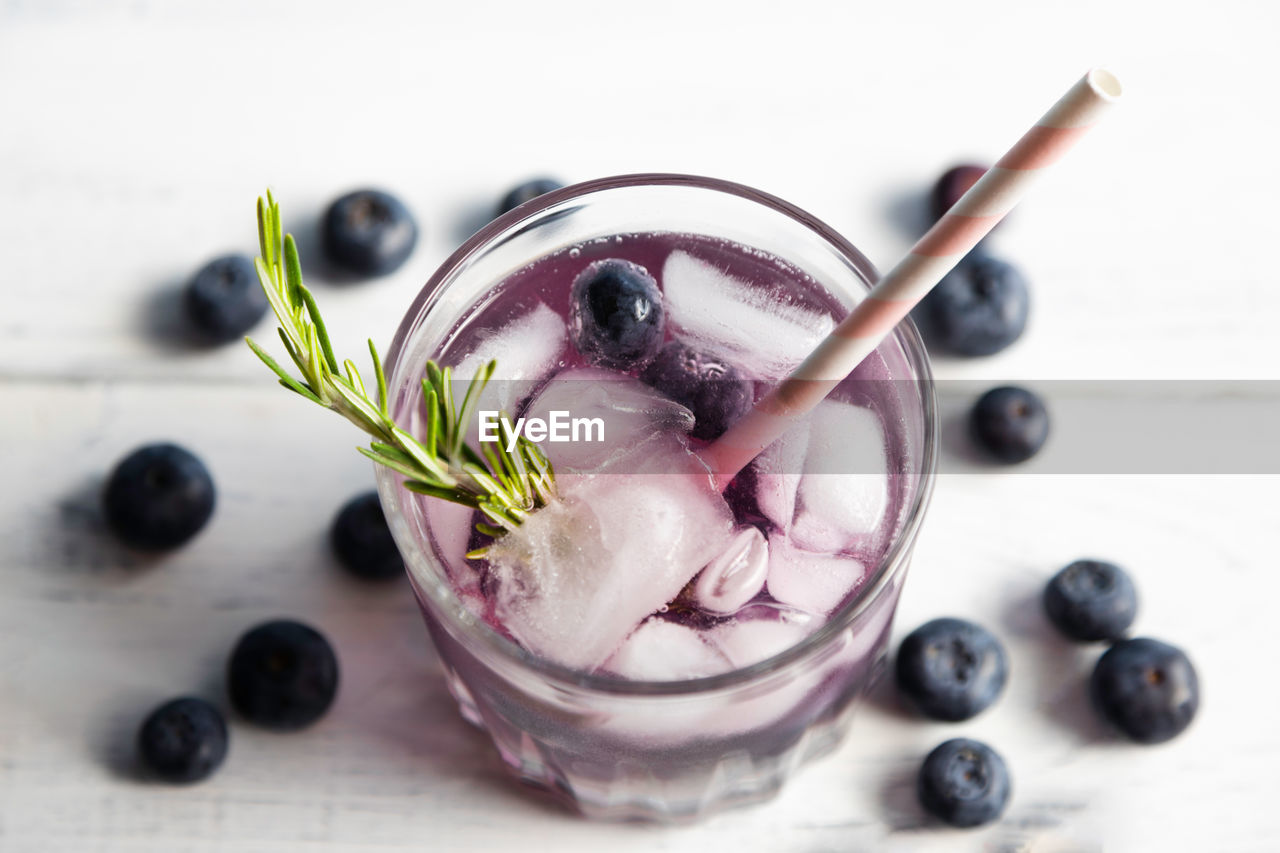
[932, 257]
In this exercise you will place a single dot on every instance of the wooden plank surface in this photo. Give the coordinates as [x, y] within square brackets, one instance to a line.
[134, 138]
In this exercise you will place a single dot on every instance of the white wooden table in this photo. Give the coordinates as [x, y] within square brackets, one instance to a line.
[134, 137]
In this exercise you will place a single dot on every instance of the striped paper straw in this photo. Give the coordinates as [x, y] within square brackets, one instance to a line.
[932, 257]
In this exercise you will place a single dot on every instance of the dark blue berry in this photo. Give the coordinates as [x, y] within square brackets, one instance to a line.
[527, 191]
[1009, 423]
[1091, 600]
[978, 308]
[369, 232]
[964, 783]
[224, 299]
[283, 675]
[158, 497]
[954, 183]
[362, 540]
[616, 317]
[951, 669]
[1145, 688]
[709, 387]
[184, 740]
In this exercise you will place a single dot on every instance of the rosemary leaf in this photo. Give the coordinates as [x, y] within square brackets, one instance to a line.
[433, 416]
[353, 378]
[382, 378]
[435, 491]
[495, 516]
[469, 401]
[310, 301]
[292, 385]
[495, 465]
[394, 463]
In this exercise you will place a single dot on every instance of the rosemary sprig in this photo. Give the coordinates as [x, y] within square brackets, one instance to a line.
[505, 485]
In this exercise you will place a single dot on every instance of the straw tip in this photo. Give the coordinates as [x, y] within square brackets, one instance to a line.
[1104, 84]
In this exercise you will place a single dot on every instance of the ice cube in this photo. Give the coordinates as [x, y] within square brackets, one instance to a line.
[761, 335]
[844, 492]
[815, 583]
[660, 650]
[528, 349]
[631, 413]
[760, 634]
[825, 483]
[579, 575]
[451, 526]
[735, 576]
[778, 470]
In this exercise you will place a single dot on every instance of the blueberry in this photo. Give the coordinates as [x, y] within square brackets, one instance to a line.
[954, 183]
[369, 232]
[362, 540]
[527, 191]
[224, 299]
[1145, 688]
[978, 308]
[616, 317]
[709, 387]
[951, 669]
[1009, 423]
[283, 675]
[964, 783]
[158, 497]
[1091, 600]
[184, 740]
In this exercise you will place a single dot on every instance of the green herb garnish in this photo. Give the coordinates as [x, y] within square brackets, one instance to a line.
[505, 485]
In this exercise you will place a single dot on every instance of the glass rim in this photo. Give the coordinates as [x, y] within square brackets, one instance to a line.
[468, 633]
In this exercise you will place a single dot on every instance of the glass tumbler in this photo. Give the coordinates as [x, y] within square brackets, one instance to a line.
[670, 750]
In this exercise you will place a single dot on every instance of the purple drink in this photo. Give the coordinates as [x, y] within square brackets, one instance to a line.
[646, 647]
